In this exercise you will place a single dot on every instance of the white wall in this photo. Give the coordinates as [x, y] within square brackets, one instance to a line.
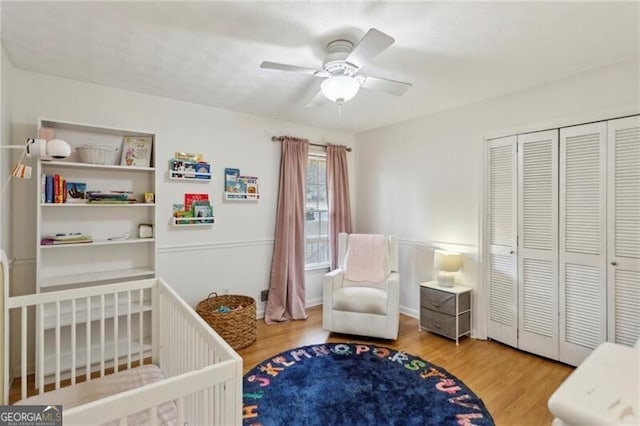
[6, 70]
[236, 252]
[421, 179]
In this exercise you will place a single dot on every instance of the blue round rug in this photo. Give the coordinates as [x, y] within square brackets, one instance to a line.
[356, 384]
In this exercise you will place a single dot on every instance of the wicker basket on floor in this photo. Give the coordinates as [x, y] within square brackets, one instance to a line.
[238, 326]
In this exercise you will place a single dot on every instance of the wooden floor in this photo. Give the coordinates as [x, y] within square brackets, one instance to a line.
[514, 385]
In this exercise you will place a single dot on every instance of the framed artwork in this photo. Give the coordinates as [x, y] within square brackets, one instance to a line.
[136, 151]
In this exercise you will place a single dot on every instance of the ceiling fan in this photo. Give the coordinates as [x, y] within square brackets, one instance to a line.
[341, 69]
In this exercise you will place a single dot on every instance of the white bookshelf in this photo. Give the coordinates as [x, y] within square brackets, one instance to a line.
[107, 259]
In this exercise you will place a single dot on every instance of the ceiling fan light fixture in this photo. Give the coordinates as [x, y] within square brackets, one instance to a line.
[340, 88]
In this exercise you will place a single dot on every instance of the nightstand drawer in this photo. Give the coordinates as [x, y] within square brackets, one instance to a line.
[438, 301]
[444, 324]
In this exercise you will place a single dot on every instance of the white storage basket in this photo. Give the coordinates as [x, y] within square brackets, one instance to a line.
[99, 154]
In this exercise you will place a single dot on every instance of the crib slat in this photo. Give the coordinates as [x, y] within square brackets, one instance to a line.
[41, 348]
[88, 332]
[73, 341]
[153, 416]
[129, 335]
[102, 348]
[180, 410]
[58, 348]
[141, 326]
[23, 353]
[115, 333]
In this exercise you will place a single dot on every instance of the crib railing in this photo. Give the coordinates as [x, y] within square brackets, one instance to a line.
[203, 373]
[64, 313]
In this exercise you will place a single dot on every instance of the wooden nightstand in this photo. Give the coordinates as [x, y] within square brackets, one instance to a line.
[445, 310]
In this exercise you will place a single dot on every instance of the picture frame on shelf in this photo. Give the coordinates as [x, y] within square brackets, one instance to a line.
[136, 151]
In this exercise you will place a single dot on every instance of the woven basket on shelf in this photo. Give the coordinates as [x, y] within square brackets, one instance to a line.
[238, 326]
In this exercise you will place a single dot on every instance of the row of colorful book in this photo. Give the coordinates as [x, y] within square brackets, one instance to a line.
[56, 189]
[196, 209]
[240, 187]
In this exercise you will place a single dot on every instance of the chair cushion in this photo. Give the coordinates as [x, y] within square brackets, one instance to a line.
[381, 285]
[366, 300]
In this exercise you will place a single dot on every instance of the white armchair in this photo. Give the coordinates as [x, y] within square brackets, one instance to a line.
[363, 307]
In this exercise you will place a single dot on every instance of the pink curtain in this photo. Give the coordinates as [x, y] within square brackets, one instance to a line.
[338, 197]
[287, 287]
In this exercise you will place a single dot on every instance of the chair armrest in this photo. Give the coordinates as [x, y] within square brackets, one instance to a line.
[332, 281]
[393, 292]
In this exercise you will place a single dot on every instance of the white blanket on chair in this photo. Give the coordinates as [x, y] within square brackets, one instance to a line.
[366, 258]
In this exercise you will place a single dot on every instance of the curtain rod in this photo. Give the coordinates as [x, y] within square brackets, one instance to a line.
[281, 138]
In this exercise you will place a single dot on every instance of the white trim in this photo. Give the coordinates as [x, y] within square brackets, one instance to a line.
[310, 303]
[605, 114]
[317, 267]
[435, 244]
[214, 246]
[413, 313]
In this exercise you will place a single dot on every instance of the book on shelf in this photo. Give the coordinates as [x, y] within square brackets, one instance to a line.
[66, 238]
[250, 186]
[232, 183]
[203, 210]
[49, 189]
[189, 199]
[76, 192]
[111, 197]
[203, 170]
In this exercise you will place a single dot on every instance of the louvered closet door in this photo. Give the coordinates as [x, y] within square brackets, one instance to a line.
[623, 216]
[538, 243]
[502, 228]
[583, 318]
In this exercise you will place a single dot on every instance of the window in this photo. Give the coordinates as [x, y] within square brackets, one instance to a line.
[316, 230]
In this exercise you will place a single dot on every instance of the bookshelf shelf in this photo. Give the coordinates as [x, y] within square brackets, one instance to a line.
[192, 221]
[95, 277]
[100, 243]
[76, 165]
[95, 205]
[191, 177]
[241, 196]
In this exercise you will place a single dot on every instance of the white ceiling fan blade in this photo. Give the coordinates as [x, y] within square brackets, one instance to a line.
[317, 100]
[392, 87]
[293, 68]
[373, 42]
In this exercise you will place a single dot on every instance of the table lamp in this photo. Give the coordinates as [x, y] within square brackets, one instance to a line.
[447, 263]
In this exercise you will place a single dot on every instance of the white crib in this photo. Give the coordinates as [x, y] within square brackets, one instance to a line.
[202, 374]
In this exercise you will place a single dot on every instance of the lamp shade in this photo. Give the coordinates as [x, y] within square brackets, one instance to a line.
[447, 261]
[340, 88]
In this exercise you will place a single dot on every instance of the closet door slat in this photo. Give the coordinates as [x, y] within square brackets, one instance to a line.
[583, 315]
[538, 243]
[502, 233]
[623, 230]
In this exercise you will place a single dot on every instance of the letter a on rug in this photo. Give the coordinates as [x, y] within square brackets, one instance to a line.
[356, 384]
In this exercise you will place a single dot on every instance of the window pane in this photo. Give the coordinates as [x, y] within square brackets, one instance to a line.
[324, 222]
[309, 253]
[323, 251]
[316, 226]
[312, 171]
[321, 194]
[322, 172]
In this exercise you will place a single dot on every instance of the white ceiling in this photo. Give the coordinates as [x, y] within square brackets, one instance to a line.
[209, 52]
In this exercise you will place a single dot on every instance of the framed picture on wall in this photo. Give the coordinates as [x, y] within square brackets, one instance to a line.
[136, 151]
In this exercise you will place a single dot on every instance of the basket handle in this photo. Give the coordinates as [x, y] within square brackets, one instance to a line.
[214, 293]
